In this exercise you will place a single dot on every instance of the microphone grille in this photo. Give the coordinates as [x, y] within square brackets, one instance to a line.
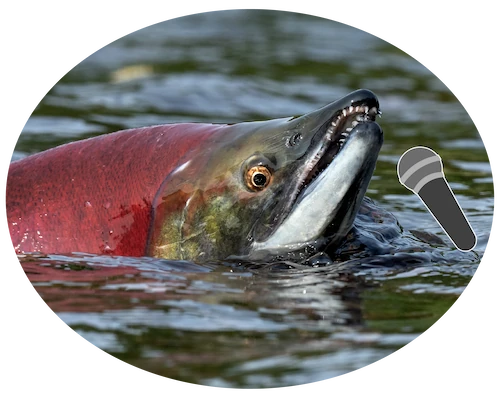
[417, 166]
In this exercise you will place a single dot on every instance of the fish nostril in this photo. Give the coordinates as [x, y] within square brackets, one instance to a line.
[294, 139]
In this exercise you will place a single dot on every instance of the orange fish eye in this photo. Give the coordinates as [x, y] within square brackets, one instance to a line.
[257, 178]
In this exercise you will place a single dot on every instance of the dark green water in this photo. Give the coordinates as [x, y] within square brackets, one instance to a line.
[231, 326]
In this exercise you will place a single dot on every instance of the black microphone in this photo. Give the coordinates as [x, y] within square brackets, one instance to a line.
[420, 169]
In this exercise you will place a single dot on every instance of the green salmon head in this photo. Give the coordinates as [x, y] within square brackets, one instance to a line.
[276, 189]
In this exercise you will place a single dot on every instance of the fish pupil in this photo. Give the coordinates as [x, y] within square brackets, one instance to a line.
[259, 179]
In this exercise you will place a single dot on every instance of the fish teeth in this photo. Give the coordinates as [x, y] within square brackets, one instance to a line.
[359, 113]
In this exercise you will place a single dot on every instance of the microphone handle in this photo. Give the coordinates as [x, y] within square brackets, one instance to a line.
[441, 202]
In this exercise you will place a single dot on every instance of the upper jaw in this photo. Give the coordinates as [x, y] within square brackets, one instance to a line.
[360, 107]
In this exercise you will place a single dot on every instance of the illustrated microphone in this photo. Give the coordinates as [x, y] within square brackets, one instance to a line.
[420, 169]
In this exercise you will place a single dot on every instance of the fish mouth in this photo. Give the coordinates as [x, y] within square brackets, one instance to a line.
[334, 135]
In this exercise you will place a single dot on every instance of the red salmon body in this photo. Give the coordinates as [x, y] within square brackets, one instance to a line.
[95, 195]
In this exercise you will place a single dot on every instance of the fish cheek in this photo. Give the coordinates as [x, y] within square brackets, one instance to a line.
[216, 226]
[201, 225]
[177, 231]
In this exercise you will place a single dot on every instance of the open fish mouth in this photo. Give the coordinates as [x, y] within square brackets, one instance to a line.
[337, 133]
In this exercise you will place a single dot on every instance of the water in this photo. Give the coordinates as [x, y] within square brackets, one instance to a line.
[266, 325]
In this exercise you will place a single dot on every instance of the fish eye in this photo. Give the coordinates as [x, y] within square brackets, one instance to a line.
[258, 177]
